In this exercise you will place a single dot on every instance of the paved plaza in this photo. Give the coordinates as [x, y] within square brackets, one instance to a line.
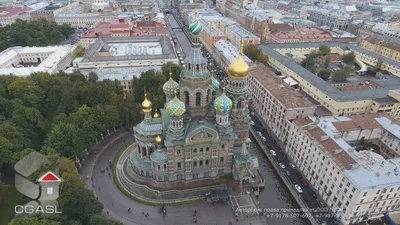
[117, 204]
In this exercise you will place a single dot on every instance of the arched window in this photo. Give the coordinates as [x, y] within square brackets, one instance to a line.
[198, 99]
[197, 67]
[239, 104]
[208, 96]
[139, 150]
[188, 66]
[187, 100]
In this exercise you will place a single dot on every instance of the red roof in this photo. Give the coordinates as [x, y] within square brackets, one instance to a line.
[49, 177]
[13, 11]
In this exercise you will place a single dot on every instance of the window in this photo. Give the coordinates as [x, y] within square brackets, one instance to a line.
[198, 99]
[206, 162]
[178, 152]
[221, 160]
[201, 163]
[179, 165]
[194, 164]
[207, 149]
[222, 146]
[158, 167]
[195, 150]
[165, 166]
[201, 149]
[187, 101]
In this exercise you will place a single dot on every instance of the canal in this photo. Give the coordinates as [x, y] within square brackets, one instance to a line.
[275, 194]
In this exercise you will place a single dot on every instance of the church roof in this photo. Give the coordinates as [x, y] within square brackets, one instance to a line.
[141, 163]
[159, 156]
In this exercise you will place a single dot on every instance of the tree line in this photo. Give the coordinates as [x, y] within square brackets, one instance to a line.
[33, 33]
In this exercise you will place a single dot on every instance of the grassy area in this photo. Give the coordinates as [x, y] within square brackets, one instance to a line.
[127, 194]
[9, 197]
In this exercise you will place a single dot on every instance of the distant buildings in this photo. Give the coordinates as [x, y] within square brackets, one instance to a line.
[351, 161]
[22, 61]
[389, 50]
[210, 35]
[9, 15]
[49, 13]
[124, 28]
[349, 98]
[121, 58]
[298, 35]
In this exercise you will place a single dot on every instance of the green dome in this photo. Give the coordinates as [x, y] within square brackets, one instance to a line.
[223, 103]
[195, 27]
[176, 107]
[159, 156]
[215, 84]
[169, 87]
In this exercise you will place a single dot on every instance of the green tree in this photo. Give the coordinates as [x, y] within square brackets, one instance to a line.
[252, 51]
[99, 220]
[79, 52]
[175, 69]
[153, 82]
[6, 149]
[310, 62]
[67, 139]
[327, 62]
[341, 75]
[32, 123]
[93, 78]
[349, 58]
[324, 50]
[28, 91]
[32, 221]
[78, 203]
[263, 58]
[324, 74]
[379, 64]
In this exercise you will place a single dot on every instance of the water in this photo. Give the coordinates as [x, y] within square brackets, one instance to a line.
[275, 195]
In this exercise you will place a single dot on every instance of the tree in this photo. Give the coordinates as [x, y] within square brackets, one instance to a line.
[341, 75]
[153, 82]
[78, 203]
[79, 52]
[99, 220]
[175, 69]
[32, 123]
[324, 74]
[324, 50]
[349, 58]
[327, 62]
[252, 51]
[6, 149]
[28, 91]
[263, 58]
[379, 64]
[67, 139]
[32, 221]
[93, 78]
[310, 62]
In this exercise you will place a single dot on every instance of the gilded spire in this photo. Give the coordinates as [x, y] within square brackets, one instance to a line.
[240, 48]
[170, 72]
[223, 87]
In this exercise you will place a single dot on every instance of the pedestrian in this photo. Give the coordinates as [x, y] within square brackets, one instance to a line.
[107, 168]
[109, 174]
[98, 189]
[147, 214]
[143, 213]
[129, 210]
[108, 214]
[91, 178]
[112, 203]
[97, 198]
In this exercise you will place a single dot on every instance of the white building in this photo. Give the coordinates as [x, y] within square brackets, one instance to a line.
[225, 53]
[22, 61]
[276, 102]
[82, 20]
[356, 184]
[238, 35]
[124, 57]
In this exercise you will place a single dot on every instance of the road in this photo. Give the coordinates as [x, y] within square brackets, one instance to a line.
[183, 40]
[117, 204]
[308, 195]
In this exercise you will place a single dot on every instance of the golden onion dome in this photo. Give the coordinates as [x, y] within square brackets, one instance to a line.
[159, 139]
[156, 115]
[239, 68]
[146, 104]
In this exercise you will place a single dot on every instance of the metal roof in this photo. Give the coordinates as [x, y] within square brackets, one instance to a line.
[325, 87]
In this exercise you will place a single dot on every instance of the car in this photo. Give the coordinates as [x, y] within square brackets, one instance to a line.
[292, 165]
[298, 188]
[282, 165]
[259, 133]
[178, 52]
[252, 123]
[272, 152]
[287, 173]
[263, 138]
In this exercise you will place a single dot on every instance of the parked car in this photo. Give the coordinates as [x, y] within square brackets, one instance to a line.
[272, 152]
[292, 165]
[259, 133]
[287, 173]
[263, 138]
[304, 181]
[282, 165]
[298, 188]
[252, 123]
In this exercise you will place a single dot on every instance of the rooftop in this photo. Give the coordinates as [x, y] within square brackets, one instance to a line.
[323, 86]
[240, 31]
[286, 95]
[131, 48]
[365, 169]
[229, 51]
[14, 11]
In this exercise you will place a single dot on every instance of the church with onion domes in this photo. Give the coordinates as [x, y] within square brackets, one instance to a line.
[202, 131]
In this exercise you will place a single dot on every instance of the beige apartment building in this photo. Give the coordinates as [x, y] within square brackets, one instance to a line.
[390, 50]
[350, 98]
[277, 102]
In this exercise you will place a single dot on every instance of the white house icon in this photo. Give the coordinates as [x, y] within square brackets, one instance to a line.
[50, 184]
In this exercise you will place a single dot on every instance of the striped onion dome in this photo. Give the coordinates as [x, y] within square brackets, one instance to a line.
[176, 107]
[195, 27]
[169, 87]
[223, 103]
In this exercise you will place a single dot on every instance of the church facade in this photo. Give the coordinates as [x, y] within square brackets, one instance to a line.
[196, 136]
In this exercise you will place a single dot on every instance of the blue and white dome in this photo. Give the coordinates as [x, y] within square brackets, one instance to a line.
[222, 104]
[195, 27]
[176, 107]
[169, 87]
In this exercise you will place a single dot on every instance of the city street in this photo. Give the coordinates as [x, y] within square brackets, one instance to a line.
[307, 194]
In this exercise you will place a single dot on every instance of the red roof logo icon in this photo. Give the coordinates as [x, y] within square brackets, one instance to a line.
[49, 177]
